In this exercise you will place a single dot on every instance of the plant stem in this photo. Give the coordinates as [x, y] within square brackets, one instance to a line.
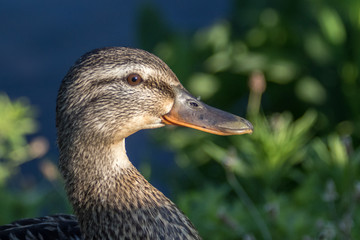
[248, 204]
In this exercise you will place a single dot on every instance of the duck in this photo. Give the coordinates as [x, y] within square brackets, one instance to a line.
[107, 95]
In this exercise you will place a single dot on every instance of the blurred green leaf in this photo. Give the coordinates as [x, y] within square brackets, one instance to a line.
[203, 85]
[332, 25]
[310, 90]
[316, 47]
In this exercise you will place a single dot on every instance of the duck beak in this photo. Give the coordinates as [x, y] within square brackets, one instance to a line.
[189, 112]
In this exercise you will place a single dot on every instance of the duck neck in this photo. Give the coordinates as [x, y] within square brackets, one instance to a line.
[111, 198]
[92, 172]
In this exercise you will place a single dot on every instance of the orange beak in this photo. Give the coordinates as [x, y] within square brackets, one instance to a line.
[187, 111]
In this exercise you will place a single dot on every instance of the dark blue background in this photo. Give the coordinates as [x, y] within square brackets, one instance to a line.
[40, 40]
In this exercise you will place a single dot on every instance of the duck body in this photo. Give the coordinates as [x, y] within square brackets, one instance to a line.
[106, 96]
[50, 227]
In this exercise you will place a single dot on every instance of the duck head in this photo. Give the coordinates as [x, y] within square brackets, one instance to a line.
[111, 93]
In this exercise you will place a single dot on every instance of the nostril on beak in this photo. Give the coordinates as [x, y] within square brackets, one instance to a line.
[193, 104]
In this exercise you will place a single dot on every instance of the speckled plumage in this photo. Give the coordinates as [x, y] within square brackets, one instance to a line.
[136, 211]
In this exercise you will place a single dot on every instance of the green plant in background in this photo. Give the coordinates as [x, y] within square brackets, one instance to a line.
[16, 122]
[297, 176]
[271, 152]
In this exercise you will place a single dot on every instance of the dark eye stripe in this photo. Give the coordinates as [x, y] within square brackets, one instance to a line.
[104, 81]
[163, 88]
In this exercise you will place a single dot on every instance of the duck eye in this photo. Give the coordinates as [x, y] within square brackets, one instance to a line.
[134, 79]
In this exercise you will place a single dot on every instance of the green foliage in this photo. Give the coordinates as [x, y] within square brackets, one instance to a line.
[263, 153]
[307, 188]
[15, 123]
[297, 176]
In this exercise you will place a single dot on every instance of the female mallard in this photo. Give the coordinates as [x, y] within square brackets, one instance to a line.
[106, 96]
